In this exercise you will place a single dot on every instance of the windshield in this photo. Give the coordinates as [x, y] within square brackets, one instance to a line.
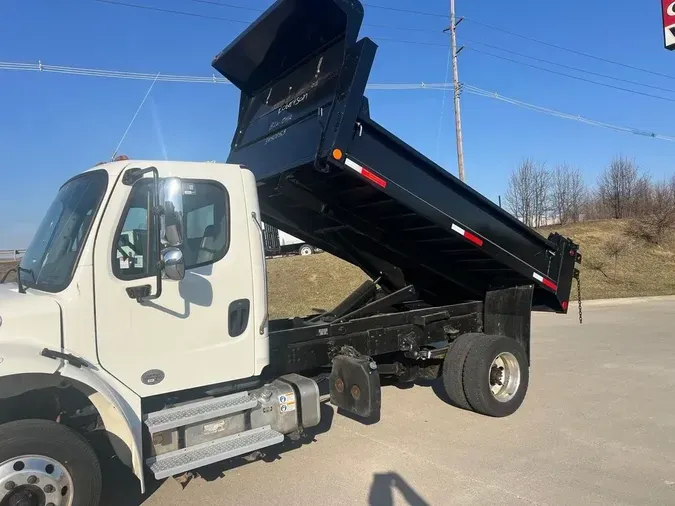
[50, 259]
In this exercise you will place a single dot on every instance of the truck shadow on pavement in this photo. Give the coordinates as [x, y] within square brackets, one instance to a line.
[382, 489]
[120, 486]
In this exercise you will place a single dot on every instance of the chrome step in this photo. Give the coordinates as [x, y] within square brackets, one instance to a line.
[187, 459]
[199, 411]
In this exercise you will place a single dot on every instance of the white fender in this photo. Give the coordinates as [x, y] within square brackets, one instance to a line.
[119, 407]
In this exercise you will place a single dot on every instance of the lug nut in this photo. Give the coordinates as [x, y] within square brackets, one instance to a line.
[49, 489]
[339, 385]
[10, 485]
[32, 480]
[356, 392]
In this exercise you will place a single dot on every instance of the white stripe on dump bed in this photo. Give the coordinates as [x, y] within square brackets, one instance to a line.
[353, 165]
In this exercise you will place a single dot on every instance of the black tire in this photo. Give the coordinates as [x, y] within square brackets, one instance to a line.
[60, 443]
[308, 250]
[453, 368]
[477, 375]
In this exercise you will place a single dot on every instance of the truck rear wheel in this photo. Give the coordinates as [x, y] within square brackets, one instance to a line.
[496, 375]
[453, 369]
[45, 463]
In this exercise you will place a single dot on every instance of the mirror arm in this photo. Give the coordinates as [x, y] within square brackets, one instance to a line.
[157, 211]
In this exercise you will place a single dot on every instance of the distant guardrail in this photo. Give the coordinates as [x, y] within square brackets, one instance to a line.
[7, 255]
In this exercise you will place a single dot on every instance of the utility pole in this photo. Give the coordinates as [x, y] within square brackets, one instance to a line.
[455, 80]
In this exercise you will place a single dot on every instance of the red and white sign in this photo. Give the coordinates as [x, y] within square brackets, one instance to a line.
[669, 23]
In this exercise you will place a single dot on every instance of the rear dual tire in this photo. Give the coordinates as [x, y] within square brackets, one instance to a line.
[486, 374]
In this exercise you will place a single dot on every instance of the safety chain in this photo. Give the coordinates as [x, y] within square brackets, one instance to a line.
[578, 278]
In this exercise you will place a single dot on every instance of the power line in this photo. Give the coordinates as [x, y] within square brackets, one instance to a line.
[569, 67]
[552, 112]
[393, 9]
[406, 11]
[160, 77]
[115, 74]
[171, 11]
[570, 76]
[424, 43]
[218, 18]
[562, 48]
[232, 6]
[124, 136]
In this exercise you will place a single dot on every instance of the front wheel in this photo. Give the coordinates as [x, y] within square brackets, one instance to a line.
[496, 375]
[306, 250]
[44, 463]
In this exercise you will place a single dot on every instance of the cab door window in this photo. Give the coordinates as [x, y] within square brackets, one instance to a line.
[135, 250]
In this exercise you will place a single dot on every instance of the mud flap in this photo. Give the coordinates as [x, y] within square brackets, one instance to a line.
[355, 385]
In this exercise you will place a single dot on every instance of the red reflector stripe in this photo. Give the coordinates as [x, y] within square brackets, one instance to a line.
[467, 235]
[474, 239]
[550, 284]
[373, 177]
[368, 174]
[545, 281]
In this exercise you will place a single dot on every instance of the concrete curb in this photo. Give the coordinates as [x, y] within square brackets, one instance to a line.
[631, 300]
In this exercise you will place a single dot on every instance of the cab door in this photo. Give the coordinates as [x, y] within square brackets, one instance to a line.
[199, 331]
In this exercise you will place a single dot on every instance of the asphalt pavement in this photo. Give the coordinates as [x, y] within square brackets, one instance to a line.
[597, 427]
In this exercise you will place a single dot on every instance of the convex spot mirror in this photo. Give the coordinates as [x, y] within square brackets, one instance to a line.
[173, 263]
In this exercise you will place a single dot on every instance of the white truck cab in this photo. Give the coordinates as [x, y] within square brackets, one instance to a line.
[122, 297]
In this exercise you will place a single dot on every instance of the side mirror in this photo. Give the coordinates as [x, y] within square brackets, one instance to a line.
[173, 263]
[171, 201]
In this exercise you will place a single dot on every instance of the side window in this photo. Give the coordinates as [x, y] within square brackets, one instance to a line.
[134, 248]
[206, 211]
[206, 207]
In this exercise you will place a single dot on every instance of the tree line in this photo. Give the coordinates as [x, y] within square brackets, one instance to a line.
[541, 196]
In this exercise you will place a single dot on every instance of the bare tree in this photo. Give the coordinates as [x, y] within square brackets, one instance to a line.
[526, 195]
[656, 217]
[541, 184]
[577, 195]
[621, 188]
[566, 194]
[519, 193]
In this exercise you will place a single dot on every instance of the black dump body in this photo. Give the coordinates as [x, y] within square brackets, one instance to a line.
[332, 176]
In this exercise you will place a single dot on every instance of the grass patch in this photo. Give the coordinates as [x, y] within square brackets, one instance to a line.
[617, 265]
[298, 285]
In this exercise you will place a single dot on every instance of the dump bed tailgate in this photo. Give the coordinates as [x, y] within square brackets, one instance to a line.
[329, 174]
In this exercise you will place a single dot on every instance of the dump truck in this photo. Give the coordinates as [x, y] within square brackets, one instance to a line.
[173, 358]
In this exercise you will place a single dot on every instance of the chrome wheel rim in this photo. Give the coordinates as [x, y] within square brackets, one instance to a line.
[504, 377]
[35, 480]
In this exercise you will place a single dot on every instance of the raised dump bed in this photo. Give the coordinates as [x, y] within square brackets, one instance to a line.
[331, 175]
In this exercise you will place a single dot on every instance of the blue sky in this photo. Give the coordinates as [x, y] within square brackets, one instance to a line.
[53, 126]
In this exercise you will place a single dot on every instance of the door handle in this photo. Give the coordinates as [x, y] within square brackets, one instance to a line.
[139, 292]
[238, 317]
